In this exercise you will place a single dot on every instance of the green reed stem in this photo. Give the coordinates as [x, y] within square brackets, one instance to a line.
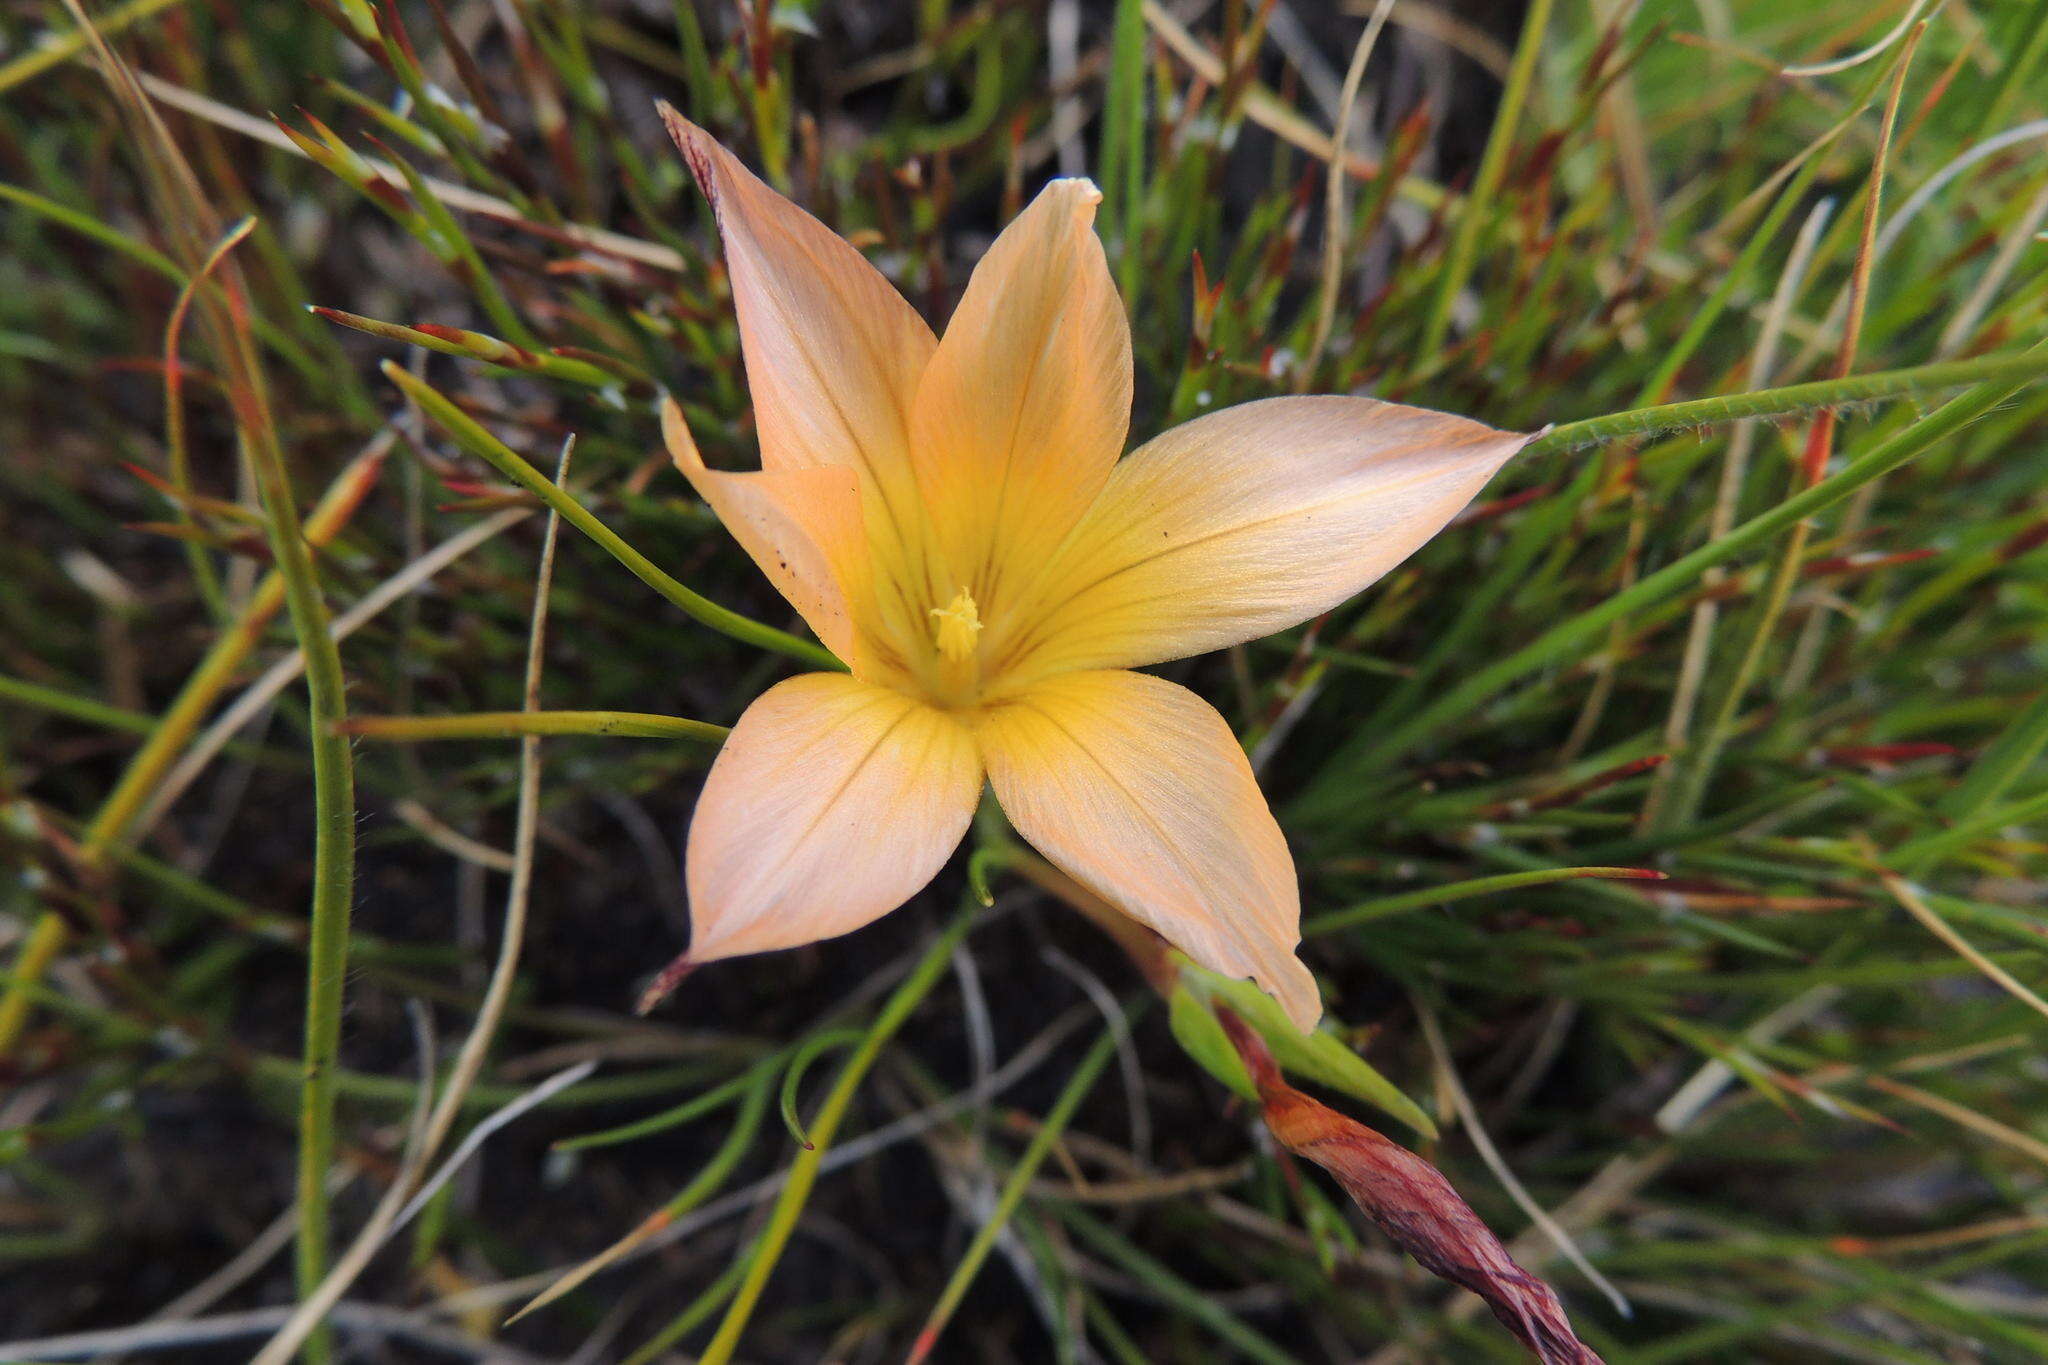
[112, 825]
[45, 940]
[1792, 399]
[513, 724]
[1041, 1144]
[2002, 376]
[334, 849]
[1472, 217]
[472, 437]
[1387, 906]
[57, 49]
[90, 710]
[1697, 766]
[803, 1171]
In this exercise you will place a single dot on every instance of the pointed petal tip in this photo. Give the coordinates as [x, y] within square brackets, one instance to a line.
[675, 434]
[679, 128]
[701, 151]
[1294, 986]
[665, 983]
[833, 353]
[1080, 186]
[1200, 538]
[1079, 195]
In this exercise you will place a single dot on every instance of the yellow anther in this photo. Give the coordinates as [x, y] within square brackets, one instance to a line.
[955, 627]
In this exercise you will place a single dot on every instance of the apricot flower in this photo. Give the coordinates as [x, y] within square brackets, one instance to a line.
[952, 518]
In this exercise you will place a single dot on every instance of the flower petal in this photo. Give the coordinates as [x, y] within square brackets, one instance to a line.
[834, 355]
[833, 802]
[1135, 787]
[1246, 521]
[833, 351]
[1026, 403]
[802, 526]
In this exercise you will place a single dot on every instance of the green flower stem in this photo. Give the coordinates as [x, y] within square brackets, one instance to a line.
[471, 436]
[334, 804]
[1792, 399]
[512, 724]
[334, 841]
[468, 345]
[803, 1171]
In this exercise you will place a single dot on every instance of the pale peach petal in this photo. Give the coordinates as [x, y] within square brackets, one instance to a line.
[834, 355]
[832, 803]
[1024, 407]
[1246, 521]
[833, 351]
[802, 526]
[1136, 788]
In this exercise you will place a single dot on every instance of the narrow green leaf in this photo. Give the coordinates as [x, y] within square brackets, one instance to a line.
[1319, 1056]
[472, 437]
[2001, 764]
[1195, 1028]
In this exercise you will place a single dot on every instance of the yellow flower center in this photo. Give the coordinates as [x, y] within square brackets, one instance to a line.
[956, 631]
[956, 627]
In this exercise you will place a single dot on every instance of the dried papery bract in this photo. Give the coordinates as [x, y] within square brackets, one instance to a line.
[1412, 1202]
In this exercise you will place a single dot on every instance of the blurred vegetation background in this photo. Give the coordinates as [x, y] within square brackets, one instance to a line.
[1789, 1100]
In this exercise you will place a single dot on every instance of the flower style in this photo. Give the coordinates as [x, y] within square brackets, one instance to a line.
[951, 517]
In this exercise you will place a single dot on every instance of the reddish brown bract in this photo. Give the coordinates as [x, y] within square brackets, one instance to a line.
[1412, 1203]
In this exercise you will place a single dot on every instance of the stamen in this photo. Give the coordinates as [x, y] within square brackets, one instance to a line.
[956, 628]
